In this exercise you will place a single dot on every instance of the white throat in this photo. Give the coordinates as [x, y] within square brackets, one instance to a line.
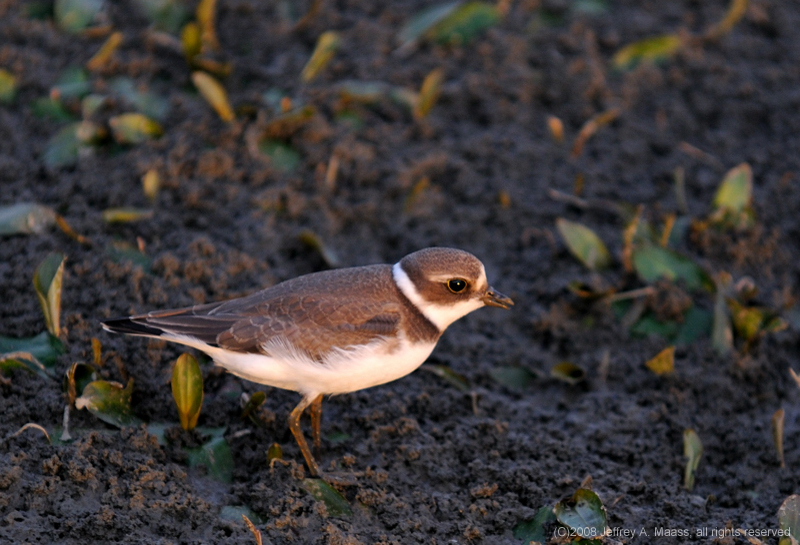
[440, 315]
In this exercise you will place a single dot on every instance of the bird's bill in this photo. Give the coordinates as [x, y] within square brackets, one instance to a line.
[494, 298]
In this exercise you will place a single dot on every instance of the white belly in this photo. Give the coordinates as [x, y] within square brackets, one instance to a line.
[344, 371]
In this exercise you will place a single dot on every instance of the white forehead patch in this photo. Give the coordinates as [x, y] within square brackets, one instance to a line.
[440, 315]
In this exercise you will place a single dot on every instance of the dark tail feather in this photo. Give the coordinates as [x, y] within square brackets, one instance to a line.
[130, 327]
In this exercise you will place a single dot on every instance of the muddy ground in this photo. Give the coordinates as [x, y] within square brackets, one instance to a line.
[419, 460]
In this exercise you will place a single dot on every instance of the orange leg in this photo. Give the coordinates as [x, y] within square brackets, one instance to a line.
[294, 427]
[316, 418]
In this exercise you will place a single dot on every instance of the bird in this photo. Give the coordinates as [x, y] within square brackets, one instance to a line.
[330, 332]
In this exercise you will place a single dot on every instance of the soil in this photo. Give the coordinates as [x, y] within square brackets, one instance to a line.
[419, 460]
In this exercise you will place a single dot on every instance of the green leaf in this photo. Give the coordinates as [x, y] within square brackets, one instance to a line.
[47, 282]
[120, 251]
[465, 23]
[732, 203]
[109, 402]
[76, 15]
[722, 332]
[282, 157]
[8, 86]
[454, 379]
[327, 45]
[215, 455]
[23, 360]
[253, 403]
[233, 513]
[77, 378]
[424, 21]
[166, 15]
[159, 431]
[134, 128]
[533, 530]
[583, 513]
[663, 362]
[274, 452]
[91, 104]
[73, 83]
[187, 389]
[143, 101]
[649, 325]
[653, 263]
[191, 41]
[746, 321]
[62, 149]
[584, 244]
[693, 451]
[44, 347]
[652, 50]
[334, 502]
[516, 378]
[568, 372]
[736, 190]
[25, 218]
[53, 110]
[126, 215]
[789, 516]
[696, 325]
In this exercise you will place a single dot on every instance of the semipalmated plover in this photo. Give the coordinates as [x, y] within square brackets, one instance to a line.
[331, 332]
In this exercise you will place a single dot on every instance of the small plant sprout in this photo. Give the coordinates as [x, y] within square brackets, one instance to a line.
[735, 12]
[253, 530]
[97, 352]
[584, 244]
[533, 530]
[651, 50]
[252, 403]
[109, 402]
[591, 127]
[47, 281]
[429, 93]
[795, 376]
[8, 86]
[103, 55]
[26, 218]
[151, 184]
[777, 434]
[126, 215]
[693, 451]
[733, 200]
[327, 45]
[789, 519]
[214, 93]
[556, 128]
[274, 452]
[28, 426]
[583, 513]
[206, 16]
[663, 362]
[187, 389]
[134, 128]
[334, 502]
[568, 372]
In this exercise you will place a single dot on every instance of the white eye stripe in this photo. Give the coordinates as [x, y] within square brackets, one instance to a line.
[439, 315]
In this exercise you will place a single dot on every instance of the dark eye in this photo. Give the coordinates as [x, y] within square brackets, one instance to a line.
[456, 285]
